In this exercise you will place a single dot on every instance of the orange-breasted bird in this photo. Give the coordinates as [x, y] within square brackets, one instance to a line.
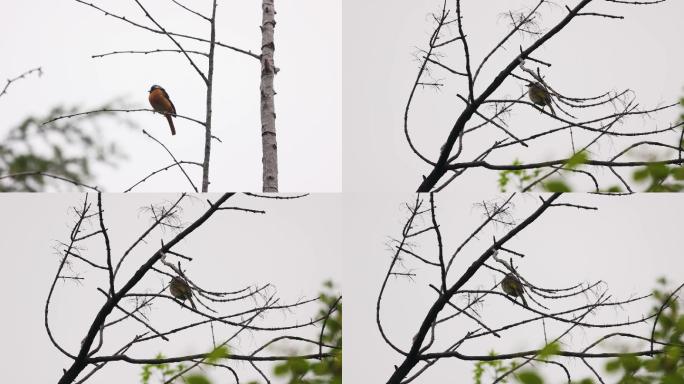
[161, 102]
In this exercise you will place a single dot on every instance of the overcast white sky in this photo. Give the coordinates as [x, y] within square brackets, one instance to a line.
[591, 56]
[627, 243]
[295, 246]
[62, 35]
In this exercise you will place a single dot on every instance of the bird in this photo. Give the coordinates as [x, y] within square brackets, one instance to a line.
[161, 102]
[512, 286]
[180, 289]
[540, 96]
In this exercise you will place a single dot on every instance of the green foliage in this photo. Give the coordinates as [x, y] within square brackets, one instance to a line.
[217, 354]
[197, 379]
[666, 367]
[68, 148]
[493, 368]
[656, 177]
[165, 371]
[522, 176]
[529, 377]
[614, 189]
[660, 177]
[556, 186]
[576, 160]
[327, 370]
[518, 176]
[549, 350]
[559, 185]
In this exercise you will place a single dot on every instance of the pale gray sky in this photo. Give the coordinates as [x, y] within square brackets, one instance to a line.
[62, 35]
[627, 243]
[591, 56]
[295, 246]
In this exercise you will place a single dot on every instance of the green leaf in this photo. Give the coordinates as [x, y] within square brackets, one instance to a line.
[677, 173]
[556, 186]
[640, 174]
[197, 379]
[529, 377]
[577, 159]
[217, 354]
[281, 369]
[630, 363]
[549, 350]
[659, 171]
[299, 366]
[673, 378]
[612, 365]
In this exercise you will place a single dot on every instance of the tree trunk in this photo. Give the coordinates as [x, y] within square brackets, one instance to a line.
[210, 82]
[268, 70]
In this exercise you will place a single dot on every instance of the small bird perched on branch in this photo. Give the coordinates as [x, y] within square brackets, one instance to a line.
[540, 96]
[161, 102]
[512, 286]
[181, 290]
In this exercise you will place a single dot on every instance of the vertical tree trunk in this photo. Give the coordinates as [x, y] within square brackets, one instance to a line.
[210, 81]
[268, 70]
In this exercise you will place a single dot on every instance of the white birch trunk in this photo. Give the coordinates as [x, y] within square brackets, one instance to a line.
[268, 70]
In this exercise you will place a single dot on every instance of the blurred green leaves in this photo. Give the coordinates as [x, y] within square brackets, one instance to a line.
[666, 367]
[529, 377]
[327, 370]
[217, 354]
[549, 350]
[164, 370]
[519, 177]
[492, 369]
[68, 148]
[660, 177]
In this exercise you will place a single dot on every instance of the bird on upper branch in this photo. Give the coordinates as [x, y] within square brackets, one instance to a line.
[540, 95]
[161, 102]
[181, 290]
[512, 286]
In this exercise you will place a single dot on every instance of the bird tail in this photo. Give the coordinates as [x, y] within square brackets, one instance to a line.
[523, 300]
[173, 129]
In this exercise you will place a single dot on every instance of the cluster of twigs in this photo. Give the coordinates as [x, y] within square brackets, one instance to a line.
[435, 340]
[598, 128]
[238, 311]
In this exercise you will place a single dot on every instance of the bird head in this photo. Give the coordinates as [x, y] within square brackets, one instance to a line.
[155, 87]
